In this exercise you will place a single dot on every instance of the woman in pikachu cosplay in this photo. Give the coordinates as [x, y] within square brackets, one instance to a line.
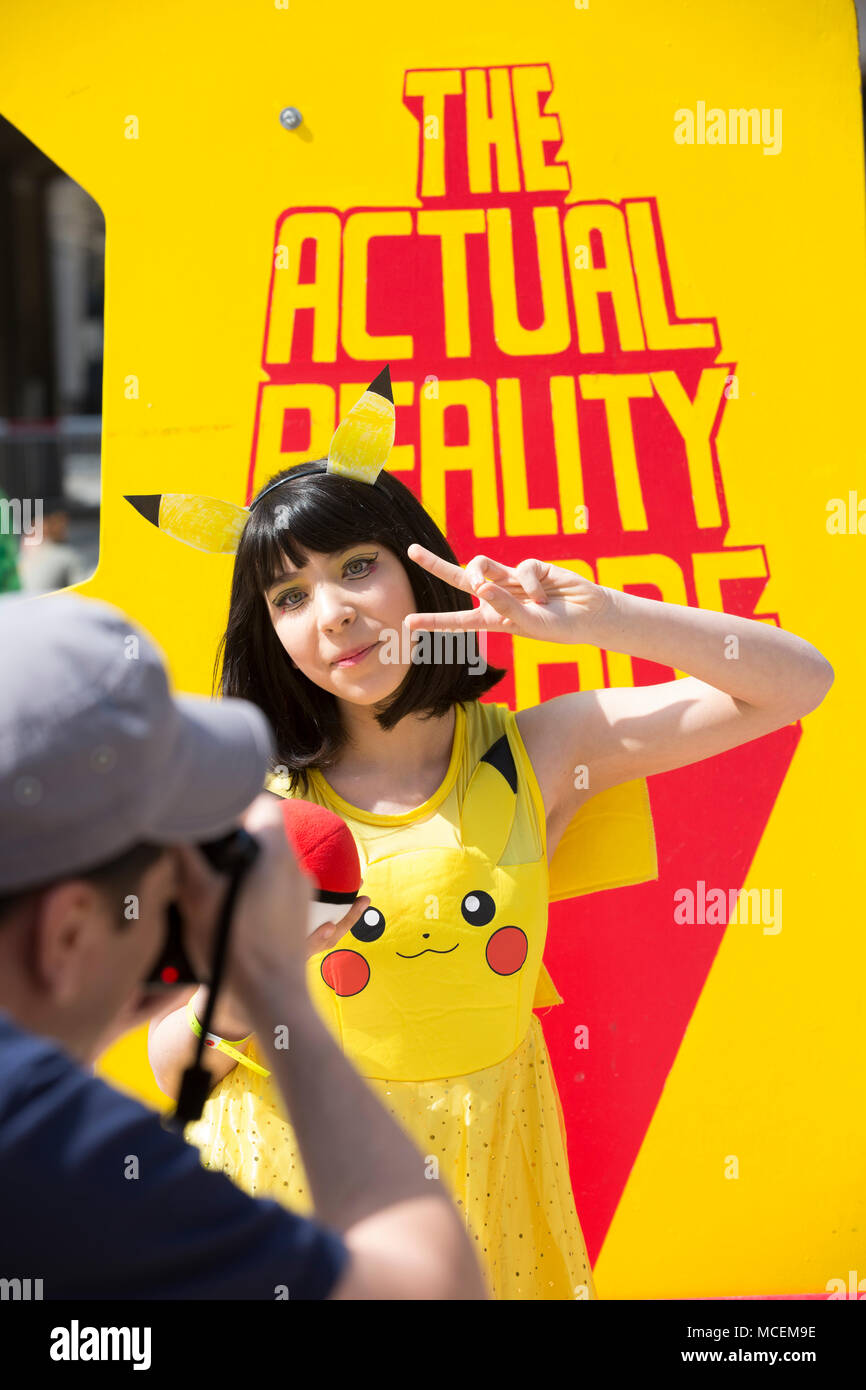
[467, 817]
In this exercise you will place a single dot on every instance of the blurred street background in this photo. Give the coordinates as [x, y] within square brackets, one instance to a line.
[52, 257]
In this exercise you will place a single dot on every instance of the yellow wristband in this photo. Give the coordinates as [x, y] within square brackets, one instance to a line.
[220, 1044]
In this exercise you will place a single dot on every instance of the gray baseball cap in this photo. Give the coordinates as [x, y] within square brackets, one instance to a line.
[96, 753]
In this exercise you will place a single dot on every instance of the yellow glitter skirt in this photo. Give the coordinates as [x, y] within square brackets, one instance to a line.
[495, 1137]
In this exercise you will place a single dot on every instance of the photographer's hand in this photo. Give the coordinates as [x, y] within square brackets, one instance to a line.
[268, 943]
[230, 1020]
[271, 913]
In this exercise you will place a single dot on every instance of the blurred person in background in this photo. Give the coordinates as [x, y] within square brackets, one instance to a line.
[47, 562]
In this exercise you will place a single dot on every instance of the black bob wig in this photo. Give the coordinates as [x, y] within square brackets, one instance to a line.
[326, 512]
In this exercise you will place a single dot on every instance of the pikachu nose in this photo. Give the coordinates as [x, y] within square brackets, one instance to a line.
[425, 935]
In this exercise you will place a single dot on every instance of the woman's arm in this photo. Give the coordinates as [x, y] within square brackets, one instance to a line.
[746, 679]
[171, 1043]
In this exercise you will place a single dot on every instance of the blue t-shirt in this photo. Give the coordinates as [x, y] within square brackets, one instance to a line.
[70, 1215]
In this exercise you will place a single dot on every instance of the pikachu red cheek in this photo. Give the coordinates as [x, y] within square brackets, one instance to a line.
[345, 972]
[506, 950]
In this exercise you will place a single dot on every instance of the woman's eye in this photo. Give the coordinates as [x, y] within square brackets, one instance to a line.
[284, 600]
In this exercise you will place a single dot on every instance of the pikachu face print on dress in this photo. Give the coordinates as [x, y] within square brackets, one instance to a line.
[438, 977]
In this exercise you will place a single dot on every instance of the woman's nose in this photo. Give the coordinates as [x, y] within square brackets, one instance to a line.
[333, 610]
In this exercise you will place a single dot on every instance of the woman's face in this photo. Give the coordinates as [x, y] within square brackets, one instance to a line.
[340, 603]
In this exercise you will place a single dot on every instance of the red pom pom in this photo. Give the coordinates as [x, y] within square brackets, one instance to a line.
[324, 846]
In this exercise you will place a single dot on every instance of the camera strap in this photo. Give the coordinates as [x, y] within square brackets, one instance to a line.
[197, 1080]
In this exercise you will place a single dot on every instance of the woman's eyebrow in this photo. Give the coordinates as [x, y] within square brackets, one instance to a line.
[282, 576]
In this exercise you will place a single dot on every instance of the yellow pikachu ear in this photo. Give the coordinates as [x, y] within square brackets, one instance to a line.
[205, 523]
[491, 801]
[364, 438]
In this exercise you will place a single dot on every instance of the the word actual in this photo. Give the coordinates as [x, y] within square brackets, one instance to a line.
[556, 259]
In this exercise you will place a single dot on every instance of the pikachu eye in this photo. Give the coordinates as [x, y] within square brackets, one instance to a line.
[371, 925]
[478, 908]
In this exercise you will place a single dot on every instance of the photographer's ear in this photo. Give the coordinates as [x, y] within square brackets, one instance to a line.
[66, 938]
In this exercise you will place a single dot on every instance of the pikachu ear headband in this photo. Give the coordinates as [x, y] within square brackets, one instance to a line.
[359, 448]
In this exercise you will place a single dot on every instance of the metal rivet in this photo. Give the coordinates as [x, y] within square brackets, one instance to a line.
[290, 117]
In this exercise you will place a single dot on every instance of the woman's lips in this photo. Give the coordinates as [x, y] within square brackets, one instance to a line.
[359, 656]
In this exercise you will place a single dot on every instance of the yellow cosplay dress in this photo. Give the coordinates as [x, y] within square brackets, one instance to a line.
[431, 996]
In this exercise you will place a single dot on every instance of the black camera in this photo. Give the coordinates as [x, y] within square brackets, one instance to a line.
[232, 854]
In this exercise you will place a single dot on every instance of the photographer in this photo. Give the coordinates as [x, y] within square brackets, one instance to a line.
[107, 784]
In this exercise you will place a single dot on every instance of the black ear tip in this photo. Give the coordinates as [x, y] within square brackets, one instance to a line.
[147, 504]
[382, 384]
[500, 756]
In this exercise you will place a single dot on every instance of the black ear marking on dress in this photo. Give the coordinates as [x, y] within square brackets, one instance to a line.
[490, 804]
[500, 756]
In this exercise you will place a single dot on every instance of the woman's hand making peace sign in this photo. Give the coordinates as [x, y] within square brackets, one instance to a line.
[534, 599]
